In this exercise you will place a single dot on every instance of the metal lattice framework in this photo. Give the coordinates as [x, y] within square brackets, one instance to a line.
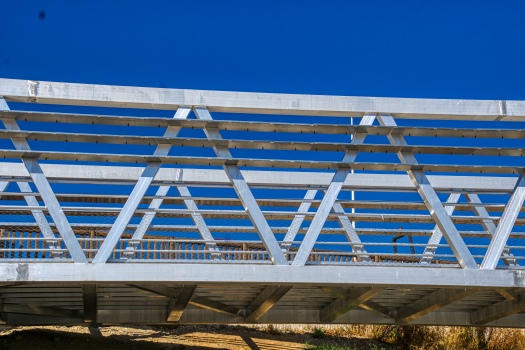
[157, 229]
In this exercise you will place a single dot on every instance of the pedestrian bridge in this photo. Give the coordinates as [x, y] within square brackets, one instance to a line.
[148, 205]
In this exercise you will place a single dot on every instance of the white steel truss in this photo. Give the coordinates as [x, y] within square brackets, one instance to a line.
[425, 189]
[245, 195]
[48, 196]
[327, 270]
[329, 199]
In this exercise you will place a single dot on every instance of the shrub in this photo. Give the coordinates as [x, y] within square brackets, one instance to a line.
[445, 338]
[271, 329]
[318, 333]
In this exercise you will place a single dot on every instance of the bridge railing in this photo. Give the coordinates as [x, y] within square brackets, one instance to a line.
[428, 191]
[29, 246]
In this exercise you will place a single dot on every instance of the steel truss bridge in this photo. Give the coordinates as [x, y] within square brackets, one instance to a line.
[237, 219]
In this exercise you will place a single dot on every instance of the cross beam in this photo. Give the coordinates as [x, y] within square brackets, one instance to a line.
[431, 302]
[354, 298]
[369, 305]
[495, 312]
[508, 294]
[177, 306]
[42, 310]
[199, 301]
[265, 301]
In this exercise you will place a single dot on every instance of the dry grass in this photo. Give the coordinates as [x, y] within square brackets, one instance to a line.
[439, 338]
[261, 337]
[412, 337]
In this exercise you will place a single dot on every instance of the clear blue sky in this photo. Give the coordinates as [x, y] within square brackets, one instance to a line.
[435, 49]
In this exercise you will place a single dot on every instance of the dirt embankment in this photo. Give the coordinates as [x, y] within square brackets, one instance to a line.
[188, 337]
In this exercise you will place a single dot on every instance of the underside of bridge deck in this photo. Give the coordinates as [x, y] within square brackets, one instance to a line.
[110, 303]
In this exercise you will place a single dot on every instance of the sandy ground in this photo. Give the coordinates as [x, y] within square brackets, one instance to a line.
[188, 337]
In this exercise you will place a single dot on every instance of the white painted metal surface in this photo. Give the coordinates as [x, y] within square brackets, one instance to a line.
[247, 241]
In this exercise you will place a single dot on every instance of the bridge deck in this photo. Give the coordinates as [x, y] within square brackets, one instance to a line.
[272, 212]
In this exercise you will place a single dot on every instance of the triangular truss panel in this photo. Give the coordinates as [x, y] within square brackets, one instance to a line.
[256, 207]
